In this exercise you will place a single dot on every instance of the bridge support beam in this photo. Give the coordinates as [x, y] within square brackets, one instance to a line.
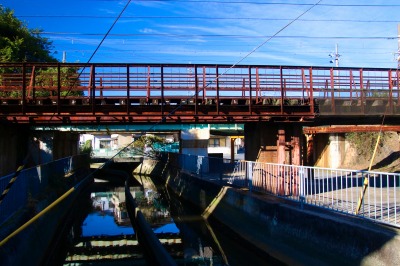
[273, 143]
[13, 147]
[49, 146]
[195, 142]
[21, 146]
[329, 150]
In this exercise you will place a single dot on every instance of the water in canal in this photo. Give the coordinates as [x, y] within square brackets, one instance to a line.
[101, 233]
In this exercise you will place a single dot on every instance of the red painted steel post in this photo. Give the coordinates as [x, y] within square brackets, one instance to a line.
[332, 91]
[128, 89]
[351, 85]
[303, 84]
[148, 85]
[23, 88]
[250, 93]
[217, 83]
[162, 91]
[295, 160]
[204, 84]
[59, 88]
[31, 82]
[258, 93]
[196, 87]
[362, 91]
[311, 92]
[282, 88]
[390, 104]
[244, 88]
[281, 143]
[93, 87]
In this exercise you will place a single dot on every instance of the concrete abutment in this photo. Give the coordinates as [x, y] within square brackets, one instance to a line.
[19, 145]
[287, 144]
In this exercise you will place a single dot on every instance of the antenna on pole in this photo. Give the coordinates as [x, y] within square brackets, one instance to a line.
[335, 56]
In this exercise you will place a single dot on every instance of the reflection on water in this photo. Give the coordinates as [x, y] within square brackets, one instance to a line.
[107, 216]
[102, 232]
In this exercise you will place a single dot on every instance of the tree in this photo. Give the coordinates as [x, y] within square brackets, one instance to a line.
[20, 44]
[147, 145]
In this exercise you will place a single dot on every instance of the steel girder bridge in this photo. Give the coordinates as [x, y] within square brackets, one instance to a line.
[63, 93]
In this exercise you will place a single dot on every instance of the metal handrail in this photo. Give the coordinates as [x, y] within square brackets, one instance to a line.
[328, 188]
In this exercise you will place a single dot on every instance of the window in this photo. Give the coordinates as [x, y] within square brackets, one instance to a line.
[213, 143]
[105, 144]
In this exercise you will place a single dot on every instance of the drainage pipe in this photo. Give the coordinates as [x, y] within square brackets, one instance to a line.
[154, 250]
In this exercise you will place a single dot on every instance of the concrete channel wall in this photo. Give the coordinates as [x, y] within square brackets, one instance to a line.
[293, 234]
[34, 244]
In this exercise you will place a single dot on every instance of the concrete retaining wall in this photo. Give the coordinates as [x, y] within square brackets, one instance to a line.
[30, 246]
[293, 235]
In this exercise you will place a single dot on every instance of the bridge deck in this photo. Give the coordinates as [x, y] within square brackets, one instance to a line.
[111, 93]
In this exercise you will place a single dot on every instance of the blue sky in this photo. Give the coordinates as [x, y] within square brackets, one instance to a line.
[219, 31]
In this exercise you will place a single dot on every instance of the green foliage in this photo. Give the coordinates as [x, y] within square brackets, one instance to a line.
[68, 78]
[87, 148]
[46, 82]
[365, 142]
[20, 44]
[148, 145]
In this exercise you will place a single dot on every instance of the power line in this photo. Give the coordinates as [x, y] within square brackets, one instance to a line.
[109, 30]
[205, 18]
[95, 51]
[259, 3]
[222, 35]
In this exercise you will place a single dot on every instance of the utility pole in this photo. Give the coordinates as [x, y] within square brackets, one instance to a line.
[397, 54]
[335, 56]
[64, 59]
[398, 46]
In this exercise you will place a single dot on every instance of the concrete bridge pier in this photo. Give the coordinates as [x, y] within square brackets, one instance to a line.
[47, 146]
[13, 147]
[274, 143]
[328, 150]
[21, 146]
[194, 141]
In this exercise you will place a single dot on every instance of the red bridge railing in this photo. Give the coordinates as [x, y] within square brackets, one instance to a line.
[66, 93]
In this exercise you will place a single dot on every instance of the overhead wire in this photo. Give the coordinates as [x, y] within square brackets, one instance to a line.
[259, 3]
[95, 51]
[204, 18]
[226, 36]
[240, 60]
[215, 79]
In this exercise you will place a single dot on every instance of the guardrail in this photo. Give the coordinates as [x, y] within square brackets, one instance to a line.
[334, 189]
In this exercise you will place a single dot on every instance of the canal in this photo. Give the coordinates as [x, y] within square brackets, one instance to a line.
[99, 231]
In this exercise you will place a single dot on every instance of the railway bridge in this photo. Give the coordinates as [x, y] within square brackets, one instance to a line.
[284, 109]
[171, 93]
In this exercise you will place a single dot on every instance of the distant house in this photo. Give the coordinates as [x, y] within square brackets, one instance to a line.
[105, 145]
[220, 146]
